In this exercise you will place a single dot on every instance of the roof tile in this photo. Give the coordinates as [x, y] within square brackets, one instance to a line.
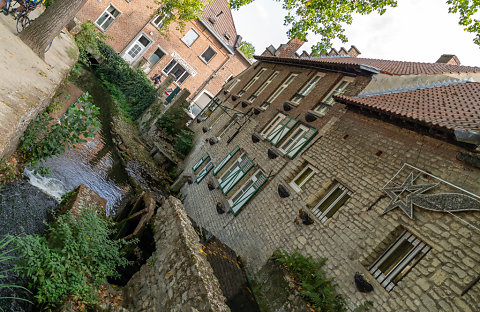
[450, 107]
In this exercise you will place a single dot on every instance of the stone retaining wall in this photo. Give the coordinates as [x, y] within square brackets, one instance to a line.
[179, 278]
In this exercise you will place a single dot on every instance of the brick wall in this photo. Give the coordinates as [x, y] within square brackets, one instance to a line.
[135, 18]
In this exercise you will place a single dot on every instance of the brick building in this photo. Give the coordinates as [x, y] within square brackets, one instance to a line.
[372, 164]
[202, 57]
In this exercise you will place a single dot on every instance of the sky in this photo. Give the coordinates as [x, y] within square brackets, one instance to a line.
[416, 30]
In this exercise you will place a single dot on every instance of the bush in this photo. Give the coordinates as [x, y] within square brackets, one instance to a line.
[184, 142]
[173, 121]
[132, 82]
[5, 257]
[316, 288]
[72, 260]
[44, 138]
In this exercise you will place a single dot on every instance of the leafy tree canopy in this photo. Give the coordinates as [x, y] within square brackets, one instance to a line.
[248, 49]
[467, 9]
[319, 17]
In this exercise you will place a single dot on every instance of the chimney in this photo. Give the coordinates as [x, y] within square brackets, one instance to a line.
[448, 59]
[353, 51]
[289, 49]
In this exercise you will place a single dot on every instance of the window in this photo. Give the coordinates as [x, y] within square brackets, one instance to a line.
[227, 126]
[190, 37]
[262, 87]
[245, 187]
[208, 54]
[275, 121]
[293, 139]
[232, 85]
[229, 78]
[302, 178]
[107, 18]
[329, 100]
[398, 260]
[156, 56]
[157, 21]
[279, 90]
[307, 88]
[177, 70]
[251, 82]
[232, 168]
[331, 202]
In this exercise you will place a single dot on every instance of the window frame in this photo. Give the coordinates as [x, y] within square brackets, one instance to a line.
[280, 89]
[306, 89]
[190, 30]
[177, 80]
[262, 88]
[272, 124]
[328, 101]
[298, 188]
[203, 59]
[231, 167]
[245, 186]
[159, 24]
[232, 85]
[322, 215]
[110, 16]
[252, 81]
[403, 264]
[164, 54]
[284, 149]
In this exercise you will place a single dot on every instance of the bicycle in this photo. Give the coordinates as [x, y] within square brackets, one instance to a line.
[9, 9]
[23, 20]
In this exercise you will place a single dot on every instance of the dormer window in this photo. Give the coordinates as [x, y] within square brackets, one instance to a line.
[227, 36]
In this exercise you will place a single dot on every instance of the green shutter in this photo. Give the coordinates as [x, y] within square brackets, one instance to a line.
[204, 172]
[201, 161]
[281, 130]
[304, 140]
[232, 179]
[243, 200]
[225, 160]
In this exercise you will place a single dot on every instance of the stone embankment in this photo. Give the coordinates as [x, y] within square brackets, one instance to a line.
[178, 277]
[27, 83]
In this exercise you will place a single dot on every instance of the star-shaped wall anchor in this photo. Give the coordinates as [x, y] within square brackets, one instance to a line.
[405, 203]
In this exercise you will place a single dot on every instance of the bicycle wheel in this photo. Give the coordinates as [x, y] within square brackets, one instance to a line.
[22, 22]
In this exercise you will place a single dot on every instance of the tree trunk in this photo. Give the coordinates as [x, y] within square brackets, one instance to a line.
[49, 24]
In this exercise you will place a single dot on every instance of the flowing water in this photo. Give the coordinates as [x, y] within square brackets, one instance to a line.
[25, 205]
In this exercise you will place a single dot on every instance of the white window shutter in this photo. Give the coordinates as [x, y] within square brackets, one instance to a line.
[240, 170]
[297, 147]
[242, 201]
[225, 160]
[281, 130]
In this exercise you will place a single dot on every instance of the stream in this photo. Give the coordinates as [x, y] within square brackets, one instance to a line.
[26, 204]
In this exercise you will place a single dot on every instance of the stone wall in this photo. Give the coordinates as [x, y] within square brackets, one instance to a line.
[27, 83]
[363, 153]
[179, 278]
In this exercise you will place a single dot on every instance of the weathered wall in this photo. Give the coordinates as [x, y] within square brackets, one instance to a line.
[363, 153]
[27, 83]
[180, 277]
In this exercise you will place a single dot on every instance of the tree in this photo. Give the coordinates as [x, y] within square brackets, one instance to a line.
[179, 11]
[49, 24]
[467, 10]
[248, 49]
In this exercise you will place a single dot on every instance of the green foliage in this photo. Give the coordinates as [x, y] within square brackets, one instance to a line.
[468, 10]
[48, 3]
[316, 288]
[179, 12]
[120, 100]
[5, 257]
[75, 72]
[88, 40]
[184, 142]
[364, 307]
[173, 121]
[248, 49]
[137, 89]
[72, 260]
[8, 172]
[44, 138]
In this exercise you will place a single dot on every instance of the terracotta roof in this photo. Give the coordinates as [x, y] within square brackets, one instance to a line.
[222, 23]
[448, 107]
[385, 66]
